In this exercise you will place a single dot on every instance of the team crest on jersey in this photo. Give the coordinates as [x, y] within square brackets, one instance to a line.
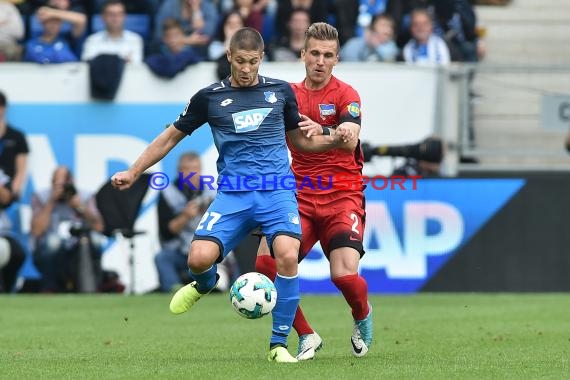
[354, 109]
[327, 110]
[250, 120]
[270, 96]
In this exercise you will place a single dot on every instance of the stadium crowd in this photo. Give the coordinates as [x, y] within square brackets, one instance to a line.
[180, 32]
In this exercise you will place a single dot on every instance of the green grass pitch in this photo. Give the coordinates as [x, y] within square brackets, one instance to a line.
[447, 336]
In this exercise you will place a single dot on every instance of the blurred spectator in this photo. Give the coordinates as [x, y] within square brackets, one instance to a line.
[175, 55]
[50, 47]
[199, 19]
[354, 16]
[425, 46]
[231, 22]
[456, 23]
[13, 161]
[114, 39]
[252, 12]
[367, 10]
[318, 9]
[180, 209]
[132, 6]
[377, 44]
[289, 46]
[65, 11]
[12, 255]
[217, 49]
[70, 29]
[81, 6]
[13, 153]
[65, 227]
[29, 7]
[11, 30]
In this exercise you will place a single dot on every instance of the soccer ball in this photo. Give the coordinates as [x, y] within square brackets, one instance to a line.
[253, 295]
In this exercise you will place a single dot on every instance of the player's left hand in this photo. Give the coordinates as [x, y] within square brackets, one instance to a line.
[308, 127]
[345, 133]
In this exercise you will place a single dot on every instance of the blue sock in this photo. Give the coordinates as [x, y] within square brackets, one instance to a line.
[206, 280]
[285, 308]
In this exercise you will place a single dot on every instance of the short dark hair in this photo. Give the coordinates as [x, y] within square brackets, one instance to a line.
[247, 39]
[3, 99]
[189, 156]
[171, 23]
[382, 16]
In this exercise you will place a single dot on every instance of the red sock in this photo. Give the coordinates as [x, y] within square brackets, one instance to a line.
[266, 265]
[355, 292]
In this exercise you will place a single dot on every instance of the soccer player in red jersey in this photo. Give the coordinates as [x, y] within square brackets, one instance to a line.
[333, 215]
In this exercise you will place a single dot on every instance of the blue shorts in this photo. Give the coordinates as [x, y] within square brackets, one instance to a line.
[234, 214]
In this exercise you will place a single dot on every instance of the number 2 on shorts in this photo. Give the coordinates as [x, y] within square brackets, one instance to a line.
[354, 225]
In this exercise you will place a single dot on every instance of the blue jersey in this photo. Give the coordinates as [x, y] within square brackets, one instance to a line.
[248, 125]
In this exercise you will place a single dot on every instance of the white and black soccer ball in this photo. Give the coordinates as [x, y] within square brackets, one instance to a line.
[253, 295]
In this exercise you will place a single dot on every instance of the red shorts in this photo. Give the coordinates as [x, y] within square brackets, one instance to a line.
[335, 219]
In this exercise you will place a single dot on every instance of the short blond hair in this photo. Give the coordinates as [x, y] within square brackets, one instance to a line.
[323, 32]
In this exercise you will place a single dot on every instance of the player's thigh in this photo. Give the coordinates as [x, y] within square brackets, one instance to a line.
[226, 222]
[286, 252]
[342, 223]
[277, 213]
[309, 224]
[263, 249]
[343, 261]
[309, 237]
[203, 254]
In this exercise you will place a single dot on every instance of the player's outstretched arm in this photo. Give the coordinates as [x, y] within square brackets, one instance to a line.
[153, 153]
[314, 144]
[312, 137]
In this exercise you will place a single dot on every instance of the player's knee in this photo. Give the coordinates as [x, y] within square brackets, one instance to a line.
[287, 261]
[201, 257]
[198, 263]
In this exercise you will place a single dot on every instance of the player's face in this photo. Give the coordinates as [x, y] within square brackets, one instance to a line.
[320, 57]
[245, 65]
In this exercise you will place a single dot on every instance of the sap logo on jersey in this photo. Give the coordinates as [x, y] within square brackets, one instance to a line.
[250, 120]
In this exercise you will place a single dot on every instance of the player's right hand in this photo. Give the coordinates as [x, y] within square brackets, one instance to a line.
[122, 180]
[345, 133]
[309, 127]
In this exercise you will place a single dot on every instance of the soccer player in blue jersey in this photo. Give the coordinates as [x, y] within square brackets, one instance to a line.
[249, 116]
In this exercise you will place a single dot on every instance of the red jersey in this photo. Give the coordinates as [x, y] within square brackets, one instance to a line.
[330, 106]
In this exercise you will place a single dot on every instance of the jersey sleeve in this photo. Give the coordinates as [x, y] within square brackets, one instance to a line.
[291, 111]
[194, 115]
[349, 106]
